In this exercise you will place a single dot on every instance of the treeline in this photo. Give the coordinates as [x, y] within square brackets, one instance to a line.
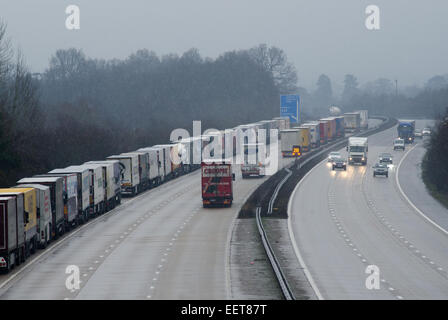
[381, 96]
[435, 161]
[20, 117]
[83, 109]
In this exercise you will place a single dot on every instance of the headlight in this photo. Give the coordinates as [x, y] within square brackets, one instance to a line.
[351, 158]
[362, 159]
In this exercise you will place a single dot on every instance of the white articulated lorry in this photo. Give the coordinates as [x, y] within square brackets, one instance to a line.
[253, 165]
[130, 177]
[357, 150]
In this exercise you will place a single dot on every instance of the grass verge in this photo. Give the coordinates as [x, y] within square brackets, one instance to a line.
[439, 196]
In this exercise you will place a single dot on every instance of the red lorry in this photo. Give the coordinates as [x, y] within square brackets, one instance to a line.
[217, 183]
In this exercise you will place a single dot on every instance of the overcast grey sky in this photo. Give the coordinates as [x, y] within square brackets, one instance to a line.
[319, 36]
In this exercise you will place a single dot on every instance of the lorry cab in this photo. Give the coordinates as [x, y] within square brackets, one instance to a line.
[357, 150]
[216, 183]
[406, 130]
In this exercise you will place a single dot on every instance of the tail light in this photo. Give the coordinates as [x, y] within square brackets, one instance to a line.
[3, 262]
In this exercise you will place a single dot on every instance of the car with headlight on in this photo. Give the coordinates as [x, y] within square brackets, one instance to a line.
[333, 155]
[380, 169]
[426, 132]
[339, 163]
[418, 133]
[399, 144]
[385, 158]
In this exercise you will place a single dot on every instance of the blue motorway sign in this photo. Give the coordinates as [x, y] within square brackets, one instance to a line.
[289, 107]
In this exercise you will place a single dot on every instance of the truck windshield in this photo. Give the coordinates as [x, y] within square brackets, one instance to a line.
[405, 129]
[356, 149]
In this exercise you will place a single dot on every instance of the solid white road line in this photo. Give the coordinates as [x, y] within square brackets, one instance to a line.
[292, 237]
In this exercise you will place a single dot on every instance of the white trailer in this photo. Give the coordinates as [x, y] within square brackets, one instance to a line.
[357, 150]
[43, 205]
[83, 175]
[252, 164]
[143, 169]
[191, 153]
[97, 187]
[290, 142]
[284, 122]
[112, 181]
[165, 160]
[352, 121]
[130, 178]
[156, 175]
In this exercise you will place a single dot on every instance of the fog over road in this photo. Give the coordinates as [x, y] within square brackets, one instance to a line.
[345, 221]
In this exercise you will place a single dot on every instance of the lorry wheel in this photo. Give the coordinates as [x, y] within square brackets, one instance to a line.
[33, 246]
[45, 243]
[10, 267]
[21, 256]
[387, 175]
[374, 175]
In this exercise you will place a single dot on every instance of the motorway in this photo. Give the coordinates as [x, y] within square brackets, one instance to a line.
[159, 245]
[344, 221]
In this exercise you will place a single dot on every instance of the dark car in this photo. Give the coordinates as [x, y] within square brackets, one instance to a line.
[380, 169]
[339, 163]
[385, 158]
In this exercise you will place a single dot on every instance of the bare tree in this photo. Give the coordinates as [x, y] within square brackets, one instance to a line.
[66, 63]
[275, 61]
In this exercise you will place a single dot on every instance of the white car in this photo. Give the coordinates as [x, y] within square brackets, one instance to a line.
[418, 133]
[426, 131]
[333, 155]
[399, 144]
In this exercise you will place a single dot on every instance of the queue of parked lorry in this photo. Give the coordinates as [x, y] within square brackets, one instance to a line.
[313, 134]
[42, 208]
